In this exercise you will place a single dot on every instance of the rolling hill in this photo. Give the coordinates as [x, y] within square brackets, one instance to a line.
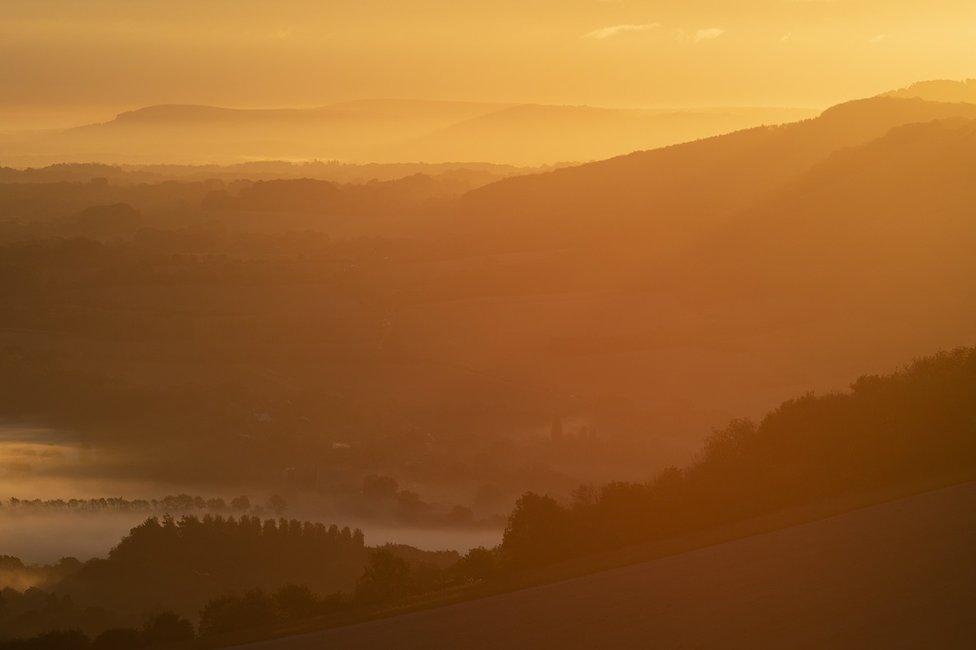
[667, 192]
[534, 134]
[192, 133]
[687, 285]
[646, 298]
[895, 213]
[379, 130]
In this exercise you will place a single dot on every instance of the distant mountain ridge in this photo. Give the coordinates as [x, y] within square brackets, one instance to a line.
[382, 130]
[940, 90]
[162, 113]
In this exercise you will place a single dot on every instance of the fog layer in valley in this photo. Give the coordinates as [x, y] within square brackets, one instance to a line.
[39, 463]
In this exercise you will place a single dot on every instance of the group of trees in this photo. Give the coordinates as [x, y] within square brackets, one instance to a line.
[911, 426]
[381, 498]
[191, 559]
[179, 564]
[391, 574]
[255, 607]
[159, 629]
[30, 611]
[223, 566]
[15, 574]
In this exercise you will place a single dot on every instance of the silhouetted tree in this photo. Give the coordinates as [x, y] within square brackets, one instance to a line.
[916, 423]
[241, 503]
[536, 531]
[231, 612]
[118, 638]
[277, 504]
[479, 563]
[54, 640]
[295, 601]
[166, 627]
[387, 577]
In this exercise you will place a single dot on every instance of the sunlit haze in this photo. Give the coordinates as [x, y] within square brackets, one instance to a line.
[457, 325]
[115, 54]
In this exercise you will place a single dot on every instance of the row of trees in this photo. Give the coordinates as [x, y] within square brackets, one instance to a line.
[170, 504]
[914, 425]
[224, 568]
[189, 560]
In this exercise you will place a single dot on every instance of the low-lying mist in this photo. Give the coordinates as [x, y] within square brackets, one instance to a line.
[59, 498]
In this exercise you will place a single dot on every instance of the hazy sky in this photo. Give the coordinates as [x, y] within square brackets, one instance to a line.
[65, 57]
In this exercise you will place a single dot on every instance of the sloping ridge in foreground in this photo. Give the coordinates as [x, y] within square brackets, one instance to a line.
[896, 575]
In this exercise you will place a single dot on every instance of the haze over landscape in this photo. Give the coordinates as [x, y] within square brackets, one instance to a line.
[591, 323]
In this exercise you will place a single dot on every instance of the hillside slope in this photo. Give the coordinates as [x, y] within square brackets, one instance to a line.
[666, 194]
[892, 216]
[896, 575]
[705, 298]
[534, 134]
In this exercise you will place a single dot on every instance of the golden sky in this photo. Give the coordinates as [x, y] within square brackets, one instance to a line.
[73, 58]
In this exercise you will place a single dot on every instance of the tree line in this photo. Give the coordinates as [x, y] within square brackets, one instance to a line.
[170, 504]
[916, 424]
[904, 429]
[185, 561]
[391, 574]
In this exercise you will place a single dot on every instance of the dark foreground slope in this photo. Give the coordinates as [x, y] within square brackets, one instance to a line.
[897, 575]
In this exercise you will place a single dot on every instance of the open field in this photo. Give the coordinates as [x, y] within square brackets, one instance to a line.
[897, 575]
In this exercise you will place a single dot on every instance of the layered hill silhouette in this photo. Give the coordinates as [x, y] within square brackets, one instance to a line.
[896, 211]
[536, 134]
[666, 192]
[663, 282]
[193, 133]
[940, 90]
[646, 297]
[253, 171]
[381, 131]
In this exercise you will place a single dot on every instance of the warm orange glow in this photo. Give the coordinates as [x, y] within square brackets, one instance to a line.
[316, 312]
[115, 54]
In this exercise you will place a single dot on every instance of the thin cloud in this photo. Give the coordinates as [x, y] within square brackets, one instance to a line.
[880, 38]
[617, 30]
[708, 34]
